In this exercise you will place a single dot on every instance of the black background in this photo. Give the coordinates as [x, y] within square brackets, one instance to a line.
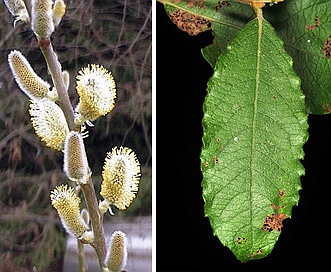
[184, 239]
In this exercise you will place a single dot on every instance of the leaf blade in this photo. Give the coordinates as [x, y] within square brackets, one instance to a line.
[305, 27]
[252, 141]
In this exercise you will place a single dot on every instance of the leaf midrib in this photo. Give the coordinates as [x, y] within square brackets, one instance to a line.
[256, 94]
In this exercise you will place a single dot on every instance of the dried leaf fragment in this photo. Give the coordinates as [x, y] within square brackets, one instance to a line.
[190, 23]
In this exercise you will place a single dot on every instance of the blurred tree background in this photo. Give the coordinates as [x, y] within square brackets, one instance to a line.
[116, 34]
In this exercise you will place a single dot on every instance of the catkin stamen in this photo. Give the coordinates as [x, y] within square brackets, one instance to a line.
[66, 202]
[121, 176]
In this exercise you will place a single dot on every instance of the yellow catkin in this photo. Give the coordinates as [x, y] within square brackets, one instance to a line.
[117, 252]
[18, 9]
[121, 176]
[75, 160]
[49, 123]
[59, 10]
[28, 81]
[42, 18]
[66, 202]
[96, 88]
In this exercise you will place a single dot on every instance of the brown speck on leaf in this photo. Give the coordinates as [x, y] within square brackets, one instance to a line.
[239, 241]
[327, 48]
[197, 3]
[259, 251]
[190, 4]
[315, 25]
[327, 107]
[201, 4]
[281, 193]
[206, 164]
[221, 4]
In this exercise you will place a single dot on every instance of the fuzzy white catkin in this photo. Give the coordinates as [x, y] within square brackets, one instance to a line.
[17, 9]
[28, 81]
[66, 202]
[59, 9]
[117, 252]
[75, 160]
[42, 18]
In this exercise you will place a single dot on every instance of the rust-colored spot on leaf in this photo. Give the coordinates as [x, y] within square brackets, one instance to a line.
[201, 4]
[281, 193]
[206, 164]
[315, 25]
[241, 240]
[327, 48]
[327, 107]
[190, 23]
[222, 4]
[190, 4]
[273, 222]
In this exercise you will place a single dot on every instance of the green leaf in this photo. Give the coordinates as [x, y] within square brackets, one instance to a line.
[254, 126]
[294, 22]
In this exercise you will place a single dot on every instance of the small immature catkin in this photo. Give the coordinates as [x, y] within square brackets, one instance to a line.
[75, 160]
[42, 18]
[66, 202]
[18, 9]
[49, 123]
[66, 79]
[28, 81]
[117, 252]
[59, 10]
[121, 176]
[85, 216]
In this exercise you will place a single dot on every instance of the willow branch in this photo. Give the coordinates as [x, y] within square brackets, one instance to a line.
[81, 256]
[96, 218]
[55, 69]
